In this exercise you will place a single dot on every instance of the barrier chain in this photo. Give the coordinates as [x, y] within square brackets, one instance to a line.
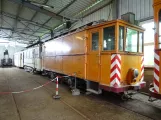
[28, 90]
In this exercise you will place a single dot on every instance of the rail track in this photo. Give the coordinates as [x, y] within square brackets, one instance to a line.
[133, 105]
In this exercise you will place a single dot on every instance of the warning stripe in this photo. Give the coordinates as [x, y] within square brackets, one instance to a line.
[156, 71]
[115, 75]
[142, 68]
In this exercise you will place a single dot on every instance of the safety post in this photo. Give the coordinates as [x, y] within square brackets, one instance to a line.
[57, 96]
[75, 91]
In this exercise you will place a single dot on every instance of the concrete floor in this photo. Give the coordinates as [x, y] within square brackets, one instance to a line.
[148, 78]
[39, 105]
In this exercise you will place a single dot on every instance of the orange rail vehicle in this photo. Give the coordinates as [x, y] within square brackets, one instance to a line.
[156, 89]
[106, 56]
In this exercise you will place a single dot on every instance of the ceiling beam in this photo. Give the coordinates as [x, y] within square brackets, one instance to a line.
[15, 38]
[1, 2]
[26, 26]
[68, 5]
[26, 34]
[35, 15]
[15, 31]
[18, 13]
[108, 3]
[38, 9]
[20, 34]
[60, 11]
[16, 20]
[23, 19]
[31, 20]
[42, 26]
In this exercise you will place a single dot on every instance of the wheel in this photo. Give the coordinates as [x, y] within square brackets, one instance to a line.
[44, 73]
[52, 75]
[70, 82]
[31, 71]
[124, 97]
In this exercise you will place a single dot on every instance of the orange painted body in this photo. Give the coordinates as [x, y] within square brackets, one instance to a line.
[72, 54]
[157, 9]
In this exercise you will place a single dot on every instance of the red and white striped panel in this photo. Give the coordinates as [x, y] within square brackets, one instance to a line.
[115, 75]
[142, 68]
[156, 71]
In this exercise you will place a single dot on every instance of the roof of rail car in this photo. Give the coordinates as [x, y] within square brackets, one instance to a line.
[114, 21]
[97, 25]
[156, 2]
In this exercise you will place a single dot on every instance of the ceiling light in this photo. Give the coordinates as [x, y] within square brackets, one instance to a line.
[40, 5]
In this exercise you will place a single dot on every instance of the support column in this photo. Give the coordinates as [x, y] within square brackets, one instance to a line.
[115, 9]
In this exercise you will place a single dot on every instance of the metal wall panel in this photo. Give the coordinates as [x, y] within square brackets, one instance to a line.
[104, 13]
[142, 8]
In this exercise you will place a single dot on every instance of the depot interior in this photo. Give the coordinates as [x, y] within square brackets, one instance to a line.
[24, 23]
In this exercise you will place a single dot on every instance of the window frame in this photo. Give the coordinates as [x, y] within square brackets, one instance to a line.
[102, 40]
[142, 42]
[126, 37]
[124, 34]
[91, 36]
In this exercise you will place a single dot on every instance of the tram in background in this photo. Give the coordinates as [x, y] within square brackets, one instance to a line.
[155, 89]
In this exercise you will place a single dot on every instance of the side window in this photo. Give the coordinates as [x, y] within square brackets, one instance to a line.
[33, 53]
[95, 39]
[20, 55]
[121, 38]
[131, 40]
[160, 29]
[109, 38]
[140, 42]
[30, 53]
[27, 54]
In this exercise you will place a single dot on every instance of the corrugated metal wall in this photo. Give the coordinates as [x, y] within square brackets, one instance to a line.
[104, 13]
[142, 8]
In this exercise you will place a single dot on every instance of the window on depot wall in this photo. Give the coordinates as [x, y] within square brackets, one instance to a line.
[148, 43]
[149, 56]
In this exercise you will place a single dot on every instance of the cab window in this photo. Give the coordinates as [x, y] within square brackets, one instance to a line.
[109, 38]
[121, 38]
[131, 40]
[95, 39]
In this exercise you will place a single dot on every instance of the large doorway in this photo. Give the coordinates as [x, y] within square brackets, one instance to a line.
[148, 43]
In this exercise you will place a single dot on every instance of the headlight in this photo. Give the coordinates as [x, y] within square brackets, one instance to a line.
[135, 73]
[132, 75]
